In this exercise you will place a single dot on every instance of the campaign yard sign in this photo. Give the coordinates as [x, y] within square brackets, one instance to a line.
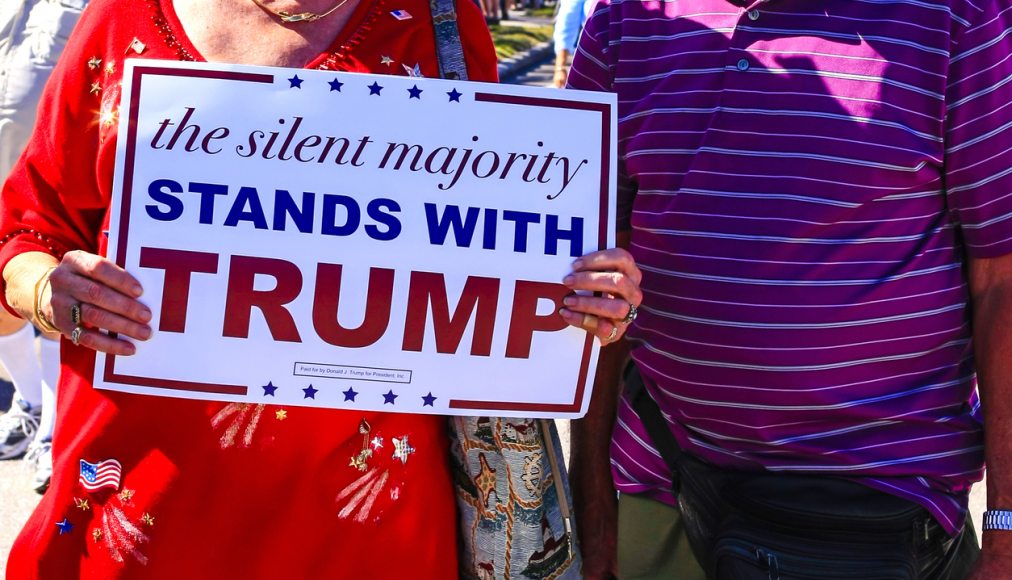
[356, 241]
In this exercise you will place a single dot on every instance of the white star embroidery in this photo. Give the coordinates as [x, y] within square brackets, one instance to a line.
[386, 60]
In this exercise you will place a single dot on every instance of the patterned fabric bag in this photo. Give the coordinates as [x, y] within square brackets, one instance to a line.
[512, 496]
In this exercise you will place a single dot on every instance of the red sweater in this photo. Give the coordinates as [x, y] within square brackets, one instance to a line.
[215, 490]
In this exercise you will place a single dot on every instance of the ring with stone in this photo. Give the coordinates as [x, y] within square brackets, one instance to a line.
[75, 335]
[631, 315]
[75, 314]
[611, 335]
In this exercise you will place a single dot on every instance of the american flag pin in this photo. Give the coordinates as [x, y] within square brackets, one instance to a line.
[95, 476]
[401, 14]
[137, 46]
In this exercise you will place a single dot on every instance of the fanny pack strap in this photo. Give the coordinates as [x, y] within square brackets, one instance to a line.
[449, 51]
[653, 421]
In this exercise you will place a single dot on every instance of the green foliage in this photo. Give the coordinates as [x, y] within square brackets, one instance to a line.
[511, 40]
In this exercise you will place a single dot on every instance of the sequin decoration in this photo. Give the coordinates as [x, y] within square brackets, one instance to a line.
[281, 414]
[147, 519]
[236, 418]
[360, 496]
[402, 449]
[386, 60]
[360, 460]
[82, 504]
[96, 88]
[415, 71]
[94, 62]
[107, 118]
[122, 537]
[136, 46]
[65, 526]
[126, 495]
[110, 68]
[96, 534]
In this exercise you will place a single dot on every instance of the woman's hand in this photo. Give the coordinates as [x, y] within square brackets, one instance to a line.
[614, 274]
[102, 297]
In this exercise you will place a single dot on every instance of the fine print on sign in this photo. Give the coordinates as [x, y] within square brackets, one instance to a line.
[356, 241]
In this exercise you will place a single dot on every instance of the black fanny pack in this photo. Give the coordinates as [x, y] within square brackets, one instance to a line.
[769, 526]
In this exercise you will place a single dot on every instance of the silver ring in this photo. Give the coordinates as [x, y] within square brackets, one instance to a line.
[631, 315]
[75, 314]
[75, 335]
[611, 335]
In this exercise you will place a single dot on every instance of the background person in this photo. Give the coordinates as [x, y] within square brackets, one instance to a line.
[33, 34]
[569, 19]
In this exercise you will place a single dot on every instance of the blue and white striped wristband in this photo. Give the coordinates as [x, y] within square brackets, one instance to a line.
[998, 520]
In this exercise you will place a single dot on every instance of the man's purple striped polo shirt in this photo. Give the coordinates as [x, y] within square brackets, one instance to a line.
[804, 181]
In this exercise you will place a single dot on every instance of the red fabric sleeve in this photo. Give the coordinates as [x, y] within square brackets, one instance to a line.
[51, 202]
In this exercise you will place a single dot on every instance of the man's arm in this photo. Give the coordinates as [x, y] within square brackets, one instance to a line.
[991, 294]
[594, 493]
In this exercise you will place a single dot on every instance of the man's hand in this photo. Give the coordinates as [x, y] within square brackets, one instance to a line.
[561, 69]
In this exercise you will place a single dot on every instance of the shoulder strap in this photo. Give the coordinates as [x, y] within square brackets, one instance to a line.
[653, 421]
[448, 47]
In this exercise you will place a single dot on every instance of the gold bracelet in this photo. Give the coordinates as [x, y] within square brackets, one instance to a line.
[40, 287]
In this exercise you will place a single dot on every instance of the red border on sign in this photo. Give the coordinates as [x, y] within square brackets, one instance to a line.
[139, 72]
[581, 382]
[110, 374]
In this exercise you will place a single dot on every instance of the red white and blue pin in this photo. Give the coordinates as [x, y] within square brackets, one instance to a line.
[95, 476]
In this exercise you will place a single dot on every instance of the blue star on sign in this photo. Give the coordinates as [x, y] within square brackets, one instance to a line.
[415, 93]
[389, 397]
[350, 394]
[375, 88]
[269, 389]
[310, 392]
[295, 82]
[335, 85]
[65, 526]
[428, 400]
[454, 96]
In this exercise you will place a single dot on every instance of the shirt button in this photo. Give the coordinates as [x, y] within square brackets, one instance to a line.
[753, 14]
[743, 65]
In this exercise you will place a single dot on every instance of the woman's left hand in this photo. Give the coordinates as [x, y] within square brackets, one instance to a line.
[614, 274]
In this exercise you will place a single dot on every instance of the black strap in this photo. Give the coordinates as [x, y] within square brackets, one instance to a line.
[653, 421]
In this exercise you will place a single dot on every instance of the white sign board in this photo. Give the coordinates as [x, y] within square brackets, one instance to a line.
[357, 241]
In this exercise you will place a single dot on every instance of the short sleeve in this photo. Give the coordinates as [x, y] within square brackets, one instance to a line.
[978, 130]
[594, 70]
[568, 22]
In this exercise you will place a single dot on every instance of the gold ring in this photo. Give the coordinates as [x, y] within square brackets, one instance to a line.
[75, 314]
[631, 315]
[75, 335]
[611, 335]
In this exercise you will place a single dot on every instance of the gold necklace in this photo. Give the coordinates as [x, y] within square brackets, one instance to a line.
[289, 18]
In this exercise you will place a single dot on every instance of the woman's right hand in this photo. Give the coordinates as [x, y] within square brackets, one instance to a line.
[107, 298]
